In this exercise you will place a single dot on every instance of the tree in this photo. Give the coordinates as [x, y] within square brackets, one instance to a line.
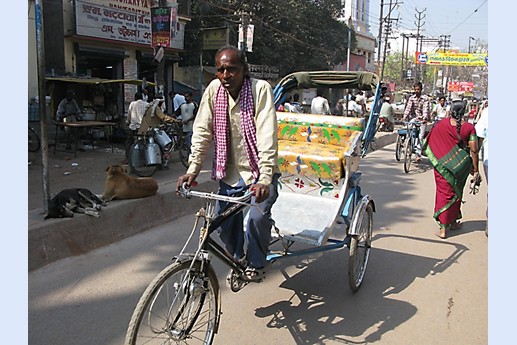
[291, 35]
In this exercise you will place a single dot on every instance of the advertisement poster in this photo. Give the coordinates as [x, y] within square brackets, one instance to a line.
[451, 59]
[161, 26]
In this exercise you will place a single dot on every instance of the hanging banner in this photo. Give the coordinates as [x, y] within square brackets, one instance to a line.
[451, 59]
[249, 37]
[460, 86]
[161, 26]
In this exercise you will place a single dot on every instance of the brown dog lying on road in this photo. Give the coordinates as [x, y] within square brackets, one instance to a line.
[119, 185]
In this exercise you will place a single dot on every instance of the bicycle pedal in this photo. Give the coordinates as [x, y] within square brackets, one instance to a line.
[235, 282]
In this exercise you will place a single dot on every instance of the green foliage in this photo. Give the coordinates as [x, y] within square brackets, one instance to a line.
[292, 35]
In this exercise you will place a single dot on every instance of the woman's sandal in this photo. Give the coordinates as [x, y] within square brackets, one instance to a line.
[456, 226]
[255, 274]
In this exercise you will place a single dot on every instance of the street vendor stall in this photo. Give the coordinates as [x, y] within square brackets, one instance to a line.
[100, 100]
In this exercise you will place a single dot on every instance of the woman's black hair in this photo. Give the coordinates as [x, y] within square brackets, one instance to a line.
[457, 112]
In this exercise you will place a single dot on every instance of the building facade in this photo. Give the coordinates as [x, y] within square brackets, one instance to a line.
[358, 11]
[106, 39]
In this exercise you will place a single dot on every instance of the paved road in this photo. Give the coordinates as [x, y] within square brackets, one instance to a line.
[418, 289]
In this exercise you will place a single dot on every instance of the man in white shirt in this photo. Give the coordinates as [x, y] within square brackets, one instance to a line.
[188, 112]
[320, 105]
[177, 100]
[441, 109]
[135, 112]
[354, 109]
[238, 114]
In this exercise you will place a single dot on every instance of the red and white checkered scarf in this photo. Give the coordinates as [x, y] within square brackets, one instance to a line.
[221, 123]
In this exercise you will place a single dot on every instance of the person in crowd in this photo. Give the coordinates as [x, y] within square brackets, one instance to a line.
[296, 106]
[68, 111]
[145, 95]
[441, 109]
[483, 106]
[154, 115]
[388, 113]
[177, 101]
[417, 110]
[482, 133]
[320, 105]
[339, 110]
[452, 149]
[238, 113]
[360, 99]
[188, 112]
[135, 113]
[354, 109]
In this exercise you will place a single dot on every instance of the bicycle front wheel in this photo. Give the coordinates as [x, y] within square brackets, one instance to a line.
[180, 306]
[34, 142]
[137, 162]
[399, 148]
[408, 152]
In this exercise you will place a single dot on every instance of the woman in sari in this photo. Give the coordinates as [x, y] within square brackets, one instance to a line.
[447, 152]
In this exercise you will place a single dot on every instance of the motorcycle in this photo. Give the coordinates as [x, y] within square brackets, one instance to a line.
[384, 125]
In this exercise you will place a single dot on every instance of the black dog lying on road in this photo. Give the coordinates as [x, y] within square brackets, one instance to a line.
[78, 200]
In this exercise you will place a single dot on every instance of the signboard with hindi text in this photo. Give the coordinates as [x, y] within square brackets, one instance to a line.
[125, 21]
[451, 59]
[161, 26]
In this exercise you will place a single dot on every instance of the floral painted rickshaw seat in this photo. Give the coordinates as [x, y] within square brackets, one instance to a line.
[315, 145]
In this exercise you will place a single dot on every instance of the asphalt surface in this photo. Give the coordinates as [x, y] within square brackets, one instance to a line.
[418, 289]
[54, 239]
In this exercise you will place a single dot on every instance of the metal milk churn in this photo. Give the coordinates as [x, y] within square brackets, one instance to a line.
[161, 137]
[138, 154]
[153, 154]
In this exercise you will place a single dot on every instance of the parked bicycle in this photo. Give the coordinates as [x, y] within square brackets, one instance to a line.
[154, 149]
[34, 140]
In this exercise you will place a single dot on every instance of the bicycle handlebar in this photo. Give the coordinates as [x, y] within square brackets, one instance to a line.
[188, 193]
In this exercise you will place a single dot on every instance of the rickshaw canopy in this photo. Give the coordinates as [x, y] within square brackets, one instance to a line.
[328, 79]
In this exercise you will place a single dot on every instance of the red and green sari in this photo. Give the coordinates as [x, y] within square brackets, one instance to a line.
[451, 168]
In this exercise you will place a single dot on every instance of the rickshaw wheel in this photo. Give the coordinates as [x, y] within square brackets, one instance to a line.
[360, 244]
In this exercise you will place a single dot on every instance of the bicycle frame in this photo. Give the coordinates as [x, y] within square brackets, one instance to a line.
[208, 244]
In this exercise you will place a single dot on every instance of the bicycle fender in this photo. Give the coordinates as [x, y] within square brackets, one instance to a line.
[359, 210]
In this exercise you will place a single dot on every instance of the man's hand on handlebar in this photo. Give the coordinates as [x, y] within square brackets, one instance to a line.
[260, 191]
[189, 179]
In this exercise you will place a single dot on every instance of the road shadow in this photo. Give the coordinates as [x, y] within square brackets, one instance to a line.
[322, 308]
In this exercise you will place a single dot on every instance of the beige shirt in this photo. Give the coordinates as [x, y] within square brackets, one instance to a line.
[237, 162]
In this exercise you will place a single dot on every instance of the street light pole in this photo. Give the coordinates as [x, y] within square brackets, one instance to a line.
[471, 38]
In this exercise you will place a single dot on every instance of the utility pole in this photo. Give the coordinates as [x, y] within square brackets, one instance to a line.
[419, 25]
[160, 71]
[444, 44]
[381, 19]
[388, 20]
[471, 38]
[42, 93]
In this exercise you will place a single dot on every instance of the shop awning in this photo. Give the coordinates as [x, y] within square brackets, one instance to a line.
[97, 80]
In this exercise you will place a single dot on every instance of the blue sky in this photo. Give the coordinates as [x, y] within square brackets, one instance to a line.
[457, 18]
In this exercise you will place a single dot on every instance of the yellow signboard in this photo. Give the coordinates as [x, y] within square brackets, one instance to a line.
[214, 39]
[451, 59]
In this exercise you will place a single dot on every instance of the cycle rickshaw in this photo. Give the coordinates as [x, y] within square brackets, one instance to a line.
[319, 197]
